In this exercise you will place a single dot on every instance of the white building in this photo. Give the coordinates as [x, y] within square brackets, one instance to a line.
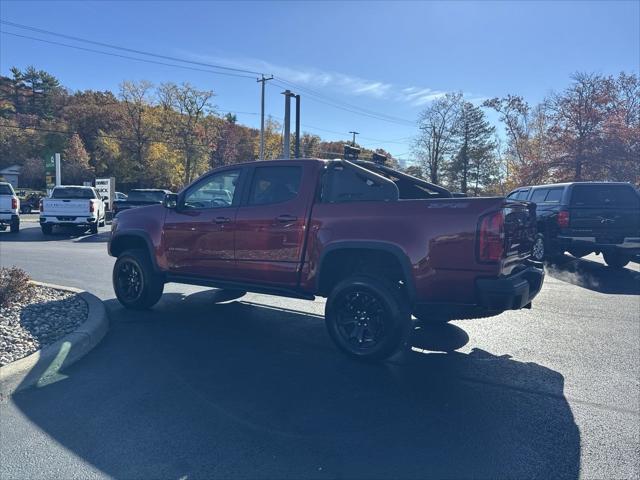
[11, 174]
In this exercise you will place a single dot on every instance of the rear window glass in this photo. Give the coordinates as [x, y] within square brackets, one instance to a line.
[141, 196]
[604, 196]
[342, 184]
[539, 195]
[554, 195]
[6, 190]
[72, 193]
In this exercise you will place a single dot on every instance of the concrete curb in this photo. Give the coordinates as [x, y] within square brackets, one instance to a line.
[42, 367]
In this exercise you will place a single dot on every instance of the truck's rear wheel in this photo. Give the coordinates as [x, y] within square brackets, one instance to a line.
[15, 227]
[47, 229]
[135, 283]
[616, 260]
[367, 318]
[93, 228]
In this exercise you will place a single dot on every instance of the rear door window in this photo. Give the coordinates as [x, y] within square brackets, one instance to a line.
[554, 195]
[539, 195]
[620, 196]
[274, 185]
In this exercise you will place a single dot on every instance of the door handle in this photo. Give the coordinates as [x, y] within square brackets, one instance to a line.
[286, 218]
[222, 220]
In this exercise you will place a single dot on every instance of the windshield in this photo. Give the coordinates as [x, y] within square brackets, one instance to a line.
[145, 196]
[73, 193]
[605, 196]
[6, 190]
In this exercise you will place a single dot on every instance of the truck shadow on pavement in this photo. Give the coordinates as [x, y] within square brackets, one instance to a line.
[595, 276]
[193, 389]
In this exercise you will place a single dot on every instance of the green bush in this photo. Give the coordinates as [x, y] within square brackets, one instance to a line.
[14, 286]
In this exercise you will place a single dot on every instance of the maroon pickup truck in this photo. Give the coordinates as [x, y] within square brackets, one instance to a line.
[378, 243]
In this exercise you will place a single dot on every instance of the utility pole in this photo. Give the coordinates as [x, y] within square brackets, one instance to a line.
[353, 142]
[286, 144]
[262, 80]
[297, 147]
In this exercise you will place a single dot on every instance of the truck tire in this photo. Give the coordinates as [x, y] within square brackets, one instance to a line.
[93, 228]
[367, 318]
[136, 285]
[47, 229]
[616, 260]
[15, 227]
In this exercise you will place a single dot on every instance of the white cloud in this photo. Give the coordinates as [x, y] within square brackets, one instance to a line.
[313, 78]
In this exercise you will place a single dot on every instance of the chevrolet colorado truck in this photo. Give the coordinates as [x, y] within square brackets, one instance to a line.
[379, 244]
[9, 208]
[72, 206]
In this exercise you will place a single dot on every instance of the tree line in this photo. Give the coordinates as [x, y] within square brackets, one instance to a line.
[144, 135]
[588, 131]
[167, 135]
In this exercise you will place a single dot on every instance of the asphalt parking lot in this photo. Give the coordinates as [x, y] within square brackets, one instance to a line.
[254, 388]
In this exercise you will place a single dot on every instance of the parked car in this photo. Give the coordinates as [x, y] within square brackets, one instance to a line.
[139, 197]
[9, 208]
[72, 205]
[585, 217]
[378, 243]
[30, 202]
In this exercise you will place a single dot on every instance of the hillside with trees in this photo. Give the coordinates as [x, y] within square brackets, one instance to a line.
[167, 135]
[144, 135]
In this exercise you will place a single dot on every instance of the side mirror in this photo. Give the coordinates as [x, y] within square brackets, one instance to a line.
[170, 200]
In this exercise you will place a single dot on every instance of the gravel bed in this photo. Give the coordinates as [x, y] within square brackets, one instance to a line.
[45, 317]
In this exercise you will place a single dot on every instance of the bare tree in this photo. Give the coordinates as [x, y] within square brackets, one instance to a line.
[437, 124]
[186, 107]
[136, 98]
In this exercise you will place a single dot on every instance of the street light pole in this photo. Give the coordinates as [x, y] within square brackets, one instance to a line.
[353, 142]
[262, 80]
[286, 144]
[297, 146]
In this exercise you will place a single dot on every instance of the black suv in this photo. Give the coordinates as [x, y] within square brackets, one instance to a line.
[585, 217]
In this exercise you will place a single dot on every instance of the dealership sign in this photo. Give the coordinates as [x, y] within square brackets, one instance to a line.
[106, 187]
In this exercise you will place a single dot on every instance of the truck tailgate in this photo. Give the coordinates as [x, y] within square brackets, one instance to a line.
[66, 208]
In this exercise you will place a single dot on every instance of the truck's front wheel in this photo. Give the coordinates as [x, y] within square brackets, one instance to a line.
[135, 283]
[367, 318]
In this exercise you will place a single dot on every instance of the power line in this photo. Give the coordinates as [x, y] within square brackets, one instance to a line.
[126, 49]
[101, 135]
[156, 62]
[316, 96]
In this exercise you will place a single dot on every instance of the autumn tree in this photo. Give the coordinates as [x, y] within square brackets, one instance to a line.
[75, 162]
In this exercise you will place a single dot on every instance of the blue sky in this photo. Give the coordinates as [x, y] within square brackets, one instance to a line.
[387, 57]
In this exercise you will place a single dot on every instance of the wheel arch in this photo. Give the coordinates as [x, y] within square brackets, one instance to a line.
[383, 252]
[135, 239]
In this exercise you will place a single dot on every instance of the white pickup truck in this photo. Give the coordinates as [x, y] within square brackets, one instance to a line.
[72, 206]
[9, 208]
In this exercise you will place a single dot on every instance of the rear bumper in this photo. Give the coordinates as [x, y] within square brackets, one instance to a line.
[60, 220]
[513, 292]
[9, 218]
[628, 245]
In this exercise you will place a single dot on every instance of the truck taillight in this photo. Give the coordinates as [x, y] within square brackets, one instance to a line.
[14, 203]
[41, 205]
[491, 237]
[563, 219]
[91, 207]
